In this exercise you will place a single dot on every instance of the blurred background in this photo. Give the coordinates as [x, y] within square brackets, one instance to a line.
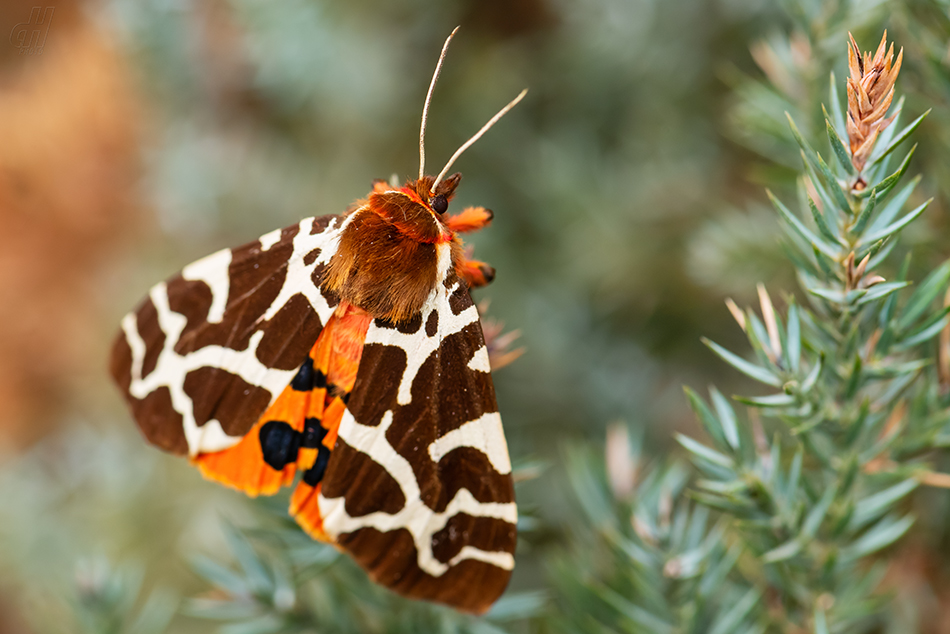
[628, 190]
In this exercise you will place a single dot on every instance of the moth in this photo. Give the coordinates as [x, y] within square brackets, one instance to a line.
[345, 349]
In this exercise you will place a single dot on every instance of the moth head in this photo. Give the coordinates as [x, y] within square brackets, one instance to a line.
[417, 208]
[436, 198]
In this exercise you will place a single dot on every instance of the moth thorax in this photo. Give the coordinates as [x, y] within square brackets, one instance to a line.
[381, 265]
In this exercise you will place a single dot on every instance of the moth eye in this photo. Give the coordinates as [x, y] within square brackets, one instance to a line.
[439, 204]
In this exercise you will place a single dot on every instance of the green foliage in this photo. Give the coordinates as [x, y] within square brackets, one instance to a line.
[809, 481]
[286, 582]
[813, 481]
[660, 563]
[107, 601]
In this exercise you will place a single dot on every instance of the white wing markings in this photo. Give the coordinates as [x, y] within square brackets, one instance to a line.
[213, 271]
[484, 434]
[131, 329]
[419, 348]
[172, 368]
[298, 279]
[501, 559]
[417, 518]
[270, 238]
[479, 361]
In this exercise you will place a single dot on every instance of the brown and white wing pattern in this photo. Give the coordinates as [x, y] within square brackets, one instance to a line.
[418, 489]
[208, 350]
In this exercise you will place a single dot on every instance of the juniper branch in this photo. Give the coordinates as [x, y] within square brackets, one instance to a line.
[816, 485]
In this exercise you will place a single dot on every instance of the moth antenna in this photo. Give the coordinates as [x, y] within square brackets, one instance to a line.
[425, 107]
[478, 135]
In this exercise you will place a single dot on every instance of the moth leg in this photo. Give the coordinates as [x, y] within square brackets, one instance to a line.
[469, 219]
[474, 272]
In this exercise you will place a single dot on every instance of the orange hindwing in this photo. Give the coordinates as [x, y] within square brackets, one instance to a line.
[299, 429]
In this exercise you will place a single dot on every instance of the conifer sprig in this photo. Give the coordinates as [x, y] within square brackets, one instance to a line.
[870, 92]
[807, 482]
[813, 476]
[658, 562]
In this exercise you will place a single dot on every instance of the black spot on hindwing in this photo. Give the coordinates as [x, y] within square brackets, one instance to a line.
[280, 444]
[308, 378]
[314, 474]
[313, 433]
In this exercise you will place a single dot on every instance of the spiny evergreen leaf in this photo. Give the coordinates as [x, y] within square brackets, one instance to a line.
[703, 452]
[733, 505]
[925, 294]
[772, 400]
[879, 251]
[832, 295]
[813, 374]
[841, 152]
[710, 423]
[817, 514]
[811, 181]
[793, 481]
[793, 339]
[820, 222]
[258, 578]
[749, 369]
[901, 137]
[732, 619]
[881, 290]
[716, 574]
[781, 553]
[727, 418]
[888, 183]
[873, 506]
[865, 215]
[834, 102]
[801, 229]
[219, 575]
[854, 379]
[811, 156]
[156, 614]
[929, 329]
[894, 227]
[887, 134]
[881, 535]
[515, 605]
[893, 206]
[635, 613]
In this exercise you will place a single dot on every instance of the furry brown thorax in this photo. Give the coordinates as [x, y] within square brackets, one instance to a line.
[387, 261]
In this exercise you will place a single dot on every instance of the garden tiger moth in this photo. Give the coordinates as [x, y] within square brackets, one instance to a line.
[346, 348]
